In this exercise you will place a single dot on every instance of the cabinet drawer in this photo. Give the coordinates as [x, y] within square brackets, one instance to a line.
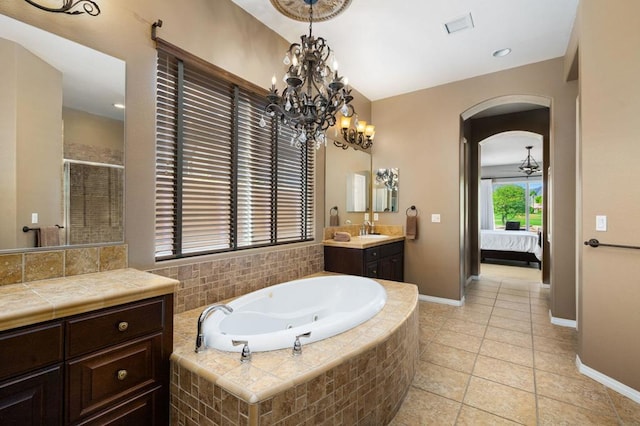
[111, 376]
[30, 348]
[113, 326]
[140, 411]
[371, 254]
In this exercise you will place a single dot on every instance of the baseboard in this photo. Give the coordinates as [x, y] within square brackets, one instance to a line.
[562, 322]
[543, 285]
[472, 278]
[441, 300]
[613, 384]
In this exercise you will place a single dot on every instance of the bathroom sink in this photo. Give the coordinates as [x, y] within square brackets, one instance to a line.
[373, 236]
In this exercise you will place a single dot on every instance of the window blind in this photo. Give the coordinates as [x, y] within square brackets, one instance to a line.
[223, 182]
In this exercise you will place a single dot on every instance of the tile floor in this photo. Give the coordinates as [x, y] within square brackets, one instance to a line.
[499, 361]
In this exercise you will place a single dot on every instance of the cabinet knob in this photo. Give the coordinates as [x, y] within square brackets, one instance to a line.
[123, 326]
[122, 374]
[374, 253]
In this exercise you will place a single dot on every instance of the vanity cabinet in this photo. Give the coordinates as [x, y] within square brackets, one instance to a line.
[385, 261]
[105, 367]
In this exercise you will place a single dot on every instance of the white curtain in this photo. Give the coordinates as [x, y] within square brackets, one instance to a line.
[486, 204]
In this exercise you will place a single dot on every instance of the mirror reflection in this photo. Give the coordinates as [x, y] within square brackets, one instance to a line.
[385, 190]
[62, 135]
[347, 185]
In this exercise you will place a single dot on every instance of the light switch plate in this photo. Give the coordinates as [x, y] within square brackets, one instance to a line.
[435, 218]
[601, 223]
[366, 216]
[375, 217]
[34, 218]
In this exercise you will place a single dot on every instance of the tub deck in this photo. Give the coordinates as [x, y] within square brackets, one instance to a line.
[272, 376]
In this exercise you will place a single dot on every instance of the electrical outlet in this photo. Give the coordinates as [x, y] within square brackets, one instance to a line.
[366, 216]
[34, 218]
[435, 218]
[375, 217]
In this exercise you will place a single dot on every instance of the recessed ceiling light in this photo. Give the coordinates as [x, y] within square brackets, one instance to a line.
[502, 52]
[119, 106]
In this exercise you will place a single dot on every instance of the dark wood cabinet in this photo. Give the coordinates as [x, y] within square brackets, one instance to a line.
[385, 261]
[107, 367]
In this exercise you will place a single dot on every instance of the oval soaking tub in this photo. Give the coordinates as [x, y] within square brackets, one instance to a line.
[271, 318]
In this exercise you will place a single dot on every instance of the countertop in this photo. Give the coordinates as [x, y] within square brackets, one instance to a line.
[36, 301]
[359, 242]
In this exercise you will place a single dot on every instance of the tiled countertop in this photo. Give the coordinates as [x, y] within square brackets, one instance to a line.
[271, 372]
[37, 301]
[358, 242]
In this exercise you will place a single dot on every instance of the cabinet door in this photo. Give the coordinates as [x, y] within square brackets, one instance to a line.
[372, 270]
[34, 399]
[394, 268]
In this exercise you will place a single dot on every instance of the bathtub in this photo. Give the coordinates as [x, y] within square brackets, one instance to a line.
[271, 318]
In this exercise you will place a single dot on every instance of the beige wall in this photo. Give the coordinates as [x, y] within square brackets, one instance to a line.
[34, 92]
[420, 133]
[609, 66]
[90, 137]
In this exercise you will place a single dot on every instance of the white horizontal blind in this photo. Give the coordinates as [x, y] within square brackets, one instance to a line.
[223, 182]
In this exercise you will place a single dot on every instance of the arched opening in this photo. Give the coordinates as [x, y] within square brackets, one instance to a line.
[482, 122]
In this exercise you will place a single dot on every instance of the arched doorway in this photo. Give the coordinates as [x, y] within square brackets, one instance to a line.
[509, 113]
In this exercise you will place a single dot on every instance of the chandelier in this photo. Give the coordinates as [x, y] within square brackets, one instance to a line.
[314, 91]
[71, 7]
[529, 165]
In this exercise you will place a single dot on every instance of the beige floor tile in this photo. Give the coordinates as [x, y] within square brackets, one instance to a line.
[552, 412]
[424, 408]
[441, 380]
[450, 357]
[506, 291]
[628, 410]
[535, 299]
[460, 341]
[540, 309]
[470, 416]
[488, 293]
[428, 318]
[558, 364]
[515, 284]
[555, 332]
[501, 400]
[505, 373]
[554, 346]
[507, 352]
[479, 300]
[523, 307]
[514, 298]
[471, 316]
[583, 393]
[541, 318]
[510, 313]
[435, 308]
[477, 307]
[464, 327]
[510, 324]
[509, 336]
[426, 333]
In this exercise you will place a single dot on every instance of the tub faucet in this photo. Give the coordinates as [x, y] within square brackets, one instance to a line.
[203, 316]
[245, 356]
[297, 346]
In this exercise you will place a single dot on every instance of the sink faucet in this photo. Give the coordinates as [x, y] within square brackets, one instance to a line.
[368, 227]
[203, 316]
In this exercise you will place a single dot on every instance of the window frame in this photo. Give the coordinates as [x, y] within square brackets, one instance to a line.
[169, 224]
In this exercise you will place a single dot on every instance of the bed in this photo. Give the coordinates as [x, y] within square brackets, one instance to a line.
[522, 246]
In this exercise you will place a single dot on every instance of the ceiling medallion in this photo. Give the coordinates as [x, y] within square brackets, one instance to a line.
[323, 10]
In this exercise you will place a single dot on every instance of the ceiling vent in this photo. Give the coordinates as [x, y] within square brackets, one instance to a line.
[459, 24]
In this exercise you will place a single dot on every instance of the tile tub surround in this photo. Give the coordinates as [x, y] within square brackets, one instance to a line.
[22, 267]
[358, 377]
[208, 282]
[29, 303]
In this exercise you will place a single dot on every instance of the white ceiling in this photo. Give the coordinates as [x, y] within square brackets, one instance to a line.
[509, 148]
[387, 48]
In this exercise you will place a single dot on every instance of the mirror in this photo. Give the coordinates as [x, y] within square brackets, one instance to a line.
[385, 190]
[347, 185]
[62, 139]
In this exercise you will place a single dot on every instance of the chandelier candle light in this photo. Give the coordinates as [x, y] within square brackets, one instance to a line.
[529, 165]
[315, 92]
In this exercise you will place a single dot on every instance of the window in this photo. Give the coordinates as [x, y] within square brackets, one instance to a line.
[518, 200]
[223, 182]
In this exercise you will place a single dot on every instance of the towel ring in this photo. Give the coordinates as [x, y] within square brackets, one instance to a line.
[331, 211]
[412, 208]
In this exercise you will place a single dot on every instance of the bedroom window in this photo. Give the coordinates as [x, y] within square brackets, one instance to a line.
[519, 201]
[223, 182]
